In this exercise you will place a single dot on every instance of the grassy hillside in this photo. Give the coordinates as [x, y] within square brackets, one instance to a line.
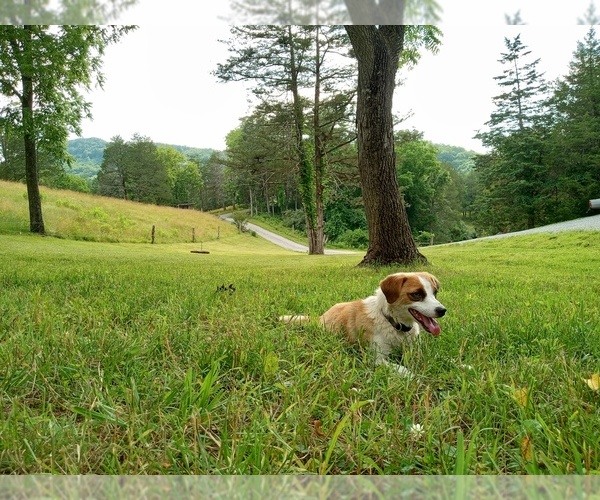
[131, 359]
[96, 218]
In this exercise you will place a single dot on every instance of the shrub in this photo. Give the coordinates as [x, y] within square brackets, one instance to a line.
[240, 219]
[425, 238]
[461, 231]
[354, 238]
[296, 219]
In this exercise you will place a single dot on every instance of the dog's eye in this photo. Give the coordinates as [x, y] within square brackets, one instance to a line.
[416, 296]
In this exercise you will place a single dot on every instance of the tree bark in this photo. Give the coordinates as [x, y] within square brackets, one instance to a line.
[307, 174]
[319, 157]
[378, 51]
[36, 221]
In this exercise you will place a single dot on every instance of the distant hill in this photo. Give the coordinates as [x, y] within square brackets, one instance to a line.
[87, 150]
[201, 154]
[461, 159]
[88, 156]
[88, 153]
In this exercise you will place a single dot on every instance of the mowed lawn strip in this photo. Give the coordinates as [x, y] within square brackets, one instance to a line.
[142, 359]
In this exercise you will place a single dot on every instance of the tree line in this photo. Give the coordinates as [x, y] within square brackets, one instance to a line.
[298, 155]
[140, 170]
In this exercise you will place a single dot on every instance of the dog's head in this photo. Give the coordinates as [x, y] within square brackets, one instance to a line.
[414, 295]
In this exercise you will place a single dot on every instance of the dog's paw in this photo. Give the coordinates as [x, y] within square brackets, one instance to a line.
[399, 369]
[403, 371]
[294, 319]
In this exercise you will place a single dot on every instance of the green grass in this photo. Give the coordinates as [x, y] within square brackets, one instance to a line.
[126, 359]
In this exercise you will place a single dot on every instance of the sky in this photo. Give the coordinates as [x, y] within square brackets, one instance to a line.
[159, 80]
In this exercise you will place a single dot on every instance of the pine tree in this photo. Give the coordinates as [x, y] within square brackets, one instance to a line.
[576, 138]
[521, 106]
[513, 175]
[285, 62]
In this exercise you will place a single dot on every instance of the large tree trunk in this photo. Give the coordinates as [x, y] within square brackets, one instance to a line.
[377, 51]
[36, 221]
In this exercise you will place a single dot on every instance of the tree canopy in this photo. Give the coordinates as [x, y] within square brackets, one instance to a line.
[43, 70]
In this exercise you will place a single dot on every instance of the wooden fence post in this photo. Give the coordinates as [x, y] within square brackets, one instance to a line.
[153, 232]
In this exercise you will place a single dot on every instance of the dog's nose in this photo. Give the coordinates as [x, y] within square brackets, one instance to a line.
[440, 311]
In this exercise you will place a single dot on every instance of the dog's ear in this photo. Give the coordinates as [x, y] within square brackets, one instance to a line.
[435, 284]
[391, 287]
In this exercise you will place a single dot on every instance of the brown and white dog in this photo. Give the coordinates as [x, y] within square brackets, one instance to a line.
[402, 305]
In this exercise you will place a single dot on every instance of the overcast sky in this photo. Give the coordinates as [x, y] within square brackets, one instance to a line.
[159, 80]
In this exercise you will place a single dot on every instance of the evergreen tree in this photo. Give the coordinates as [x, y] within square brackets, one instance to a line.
[285, 62]
[514, 175]
[576, 138]
[522, 104]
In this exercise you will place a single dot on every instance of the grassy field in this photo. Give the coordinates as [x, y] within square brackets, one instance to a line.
[80, 216]
[131, 359]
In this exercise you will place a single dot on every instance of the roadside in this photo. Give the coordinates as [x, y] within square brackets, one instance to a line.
[284, 242]
[590, 223]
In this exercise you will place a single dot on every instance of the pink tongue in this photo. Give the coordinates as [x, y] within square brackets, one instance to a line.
[429, 324]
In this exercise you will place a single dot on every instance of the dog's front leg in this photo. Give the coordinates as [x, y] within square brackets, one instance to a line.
[404, 372]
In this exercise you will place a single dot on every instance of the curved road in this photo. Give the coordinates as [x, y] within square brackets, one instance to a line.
[281, 241]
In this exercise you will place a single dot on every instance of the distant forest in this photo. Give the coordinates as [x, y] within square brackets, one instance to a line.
[88, 154]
